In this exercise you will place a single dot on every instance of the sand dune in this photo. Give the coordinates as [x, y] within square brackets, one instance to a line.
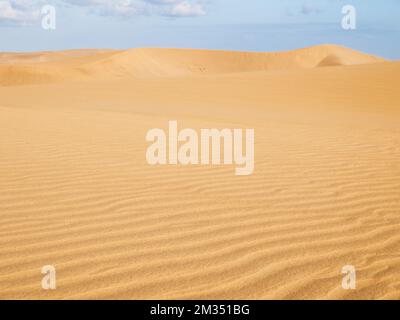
[76, 191]
[171, 62]
[94, 64]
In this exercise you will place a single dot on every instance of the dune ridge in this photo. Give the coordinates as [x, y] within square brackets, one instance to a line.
[91, 64]
[76, 191]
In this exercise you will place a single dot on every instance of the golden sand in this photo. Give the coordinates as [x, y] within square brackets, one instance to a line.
[76, 191]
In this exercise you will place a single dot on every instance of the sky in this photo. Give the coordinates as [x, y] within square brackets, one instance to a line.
[247, 25]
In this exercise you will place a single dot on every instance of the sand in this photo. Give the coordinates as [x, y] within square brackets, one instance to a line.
[77, 193]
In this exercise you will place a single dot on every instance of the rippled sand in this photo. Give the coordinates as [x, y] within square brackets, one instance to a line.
[76, 191]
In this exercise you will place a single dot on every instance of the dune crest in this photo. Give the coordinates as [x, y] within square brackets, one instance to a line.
[78, 65]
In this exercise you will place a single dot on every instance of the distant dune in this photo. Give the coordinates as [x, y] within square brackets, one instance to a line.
[91, 64]
[77, 193]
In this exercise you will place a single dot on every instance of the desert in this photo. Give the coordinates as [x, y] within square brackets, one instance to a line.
[77, 193]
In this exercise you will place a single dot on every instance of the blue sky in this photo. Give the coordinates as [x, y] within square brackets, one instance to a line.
[253, 25]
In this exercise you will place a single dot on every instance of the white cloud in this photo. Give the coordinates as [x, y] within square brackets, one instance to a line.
[122, 8]
[19, 12]
[185, 9]
[308, 8]
[129, 8]
[27, 12]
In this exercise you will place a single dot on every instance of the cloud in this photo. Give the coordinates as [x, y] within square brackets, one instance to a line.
[120, 8]
[178, 8]
[19, 12]
[185, 9]
[131, 8]
[27, 12]
[308, 8]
